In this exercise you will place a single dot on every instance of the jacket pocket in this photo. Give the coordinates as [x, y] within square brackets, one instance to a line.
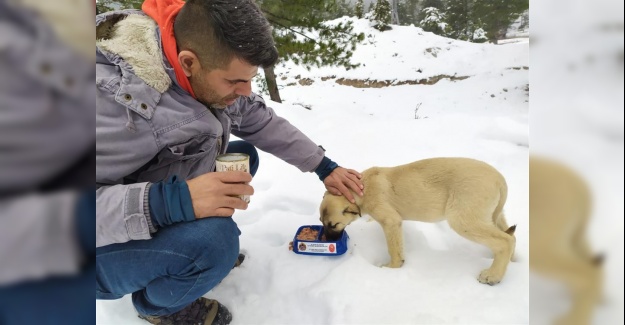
[187, 159]
[196, 147]
[194, 157]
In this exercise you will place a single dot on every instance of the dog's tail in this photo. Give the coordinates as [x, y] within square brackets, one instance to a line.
[510, 231]
[499, 218]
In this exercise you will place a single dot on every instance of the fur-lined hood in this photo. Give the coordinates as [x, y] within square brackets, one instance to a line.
[132, 39]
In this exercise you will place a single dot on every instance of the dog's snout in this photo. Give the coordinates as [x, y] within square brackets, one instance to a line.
[331, 234]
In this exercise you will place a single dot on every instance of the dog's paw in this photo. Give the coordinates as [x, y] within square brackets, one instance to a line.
[489, 277]
[394, 265]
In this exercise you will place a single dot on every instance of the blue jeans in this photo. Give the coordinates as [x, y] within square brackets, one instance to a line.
[178, 265]
[59, 300]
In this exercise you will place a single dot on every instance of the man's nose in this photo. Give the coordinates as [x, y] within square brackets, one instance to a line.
[244, 89]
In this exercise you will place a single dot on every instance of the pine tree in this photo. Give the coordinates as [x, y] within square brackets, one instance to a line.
[407, 10]
[434, 21]
[344, 8]
[482, 20]
[438, 4]
[496, 16]
[479, 36]
[458, 18]
[381, 15]
[302, 36]
[360, 8]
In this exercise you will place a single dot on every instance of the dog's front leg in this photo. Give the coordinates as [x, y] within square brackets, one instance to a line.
[395, 242]
[391, 224]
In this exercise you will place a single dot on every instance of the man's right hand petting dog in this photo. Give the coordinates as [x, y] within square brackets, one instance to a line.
[468, 193]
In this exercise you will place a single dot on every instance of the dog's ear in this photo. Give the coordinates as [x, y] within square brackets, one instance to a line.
[353, 209]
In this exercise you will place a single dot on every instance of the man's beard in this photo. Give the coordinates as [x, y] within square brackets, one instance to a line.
[210, 98]
[221, 104]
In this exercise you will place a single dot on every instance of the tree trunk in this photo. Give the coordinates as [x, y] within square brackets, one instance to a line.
[394, 14]
[468, 33]
[272, 85]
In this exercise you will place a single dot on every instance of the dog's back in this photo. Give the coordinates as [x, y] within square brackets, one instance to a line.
[430, 185]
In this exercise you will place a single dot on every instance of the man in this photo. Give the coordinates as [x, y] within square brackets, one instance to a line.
[173, 81]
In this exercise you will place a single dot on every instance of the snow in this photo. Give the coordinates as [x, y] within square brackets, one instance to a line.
[484, 116]
[409, 53]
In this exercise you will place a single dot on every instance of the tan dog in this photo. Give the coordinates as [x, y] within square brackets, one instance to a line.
[468, 193]
[560, 209]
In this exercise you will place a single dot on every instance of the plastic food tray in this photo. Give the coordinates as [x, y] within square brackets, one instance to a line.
[319, 247]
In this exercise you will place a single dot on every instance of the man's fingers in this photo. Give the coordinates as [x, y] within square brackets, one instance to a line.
[353, 172]
[354, 186]
[234, 177]
[334, 191]
[224, 212]
[346, 192]
[355, 183]
[239, 189]
[233, 202]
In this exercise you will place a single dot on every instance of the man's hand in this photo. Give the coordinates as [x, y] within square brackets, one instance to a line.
[341, 180]
[214, 194]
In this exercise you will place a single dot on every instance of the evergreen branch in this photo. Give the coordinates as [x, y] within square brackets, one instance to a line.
[289, 28]
[274, 15]
[318, 26]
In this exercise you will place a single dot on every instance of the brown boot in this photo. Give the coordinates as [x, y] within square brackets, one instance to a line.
[239, 260]
[200, 312]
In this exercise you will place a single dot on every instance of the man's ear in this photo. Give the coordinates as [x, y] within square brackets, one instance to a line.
[189, 62]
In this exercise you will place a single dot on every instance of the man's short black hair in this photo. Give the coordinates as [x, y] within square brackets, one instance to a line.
[217, 31]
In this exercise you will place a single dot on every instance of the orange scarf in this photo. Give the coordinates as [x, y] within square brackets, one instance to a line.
[164, 13]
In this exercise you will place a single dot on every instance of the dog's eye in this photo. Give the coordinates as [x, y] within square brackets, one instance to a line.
[350, 212]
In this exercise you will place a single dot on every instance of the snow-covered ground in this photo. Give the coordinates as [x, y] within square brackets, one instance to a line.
[484, 116]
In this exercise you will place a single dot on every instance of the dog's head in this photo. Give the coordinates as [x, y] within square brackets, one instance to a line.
[336, 213]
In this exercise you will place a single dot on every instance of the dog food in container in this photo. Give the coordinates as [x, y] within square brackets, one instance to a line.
[309, 240]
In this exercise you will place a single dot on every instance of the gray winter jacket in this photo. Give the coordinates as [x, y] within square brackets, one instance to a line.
[46, 125]
[149, 128]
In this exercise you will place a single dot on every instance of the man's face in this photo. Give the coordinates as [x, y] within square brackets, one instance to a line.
[221, 88]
